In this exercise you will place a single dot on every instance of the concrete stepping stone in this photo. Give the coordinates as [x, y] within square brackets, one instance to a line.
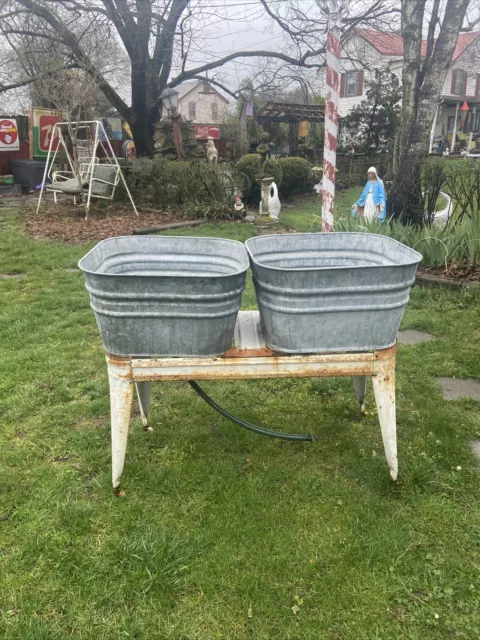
[456, 388]
[413, 336]
[475, 444]
[71, 270]
[8, 276]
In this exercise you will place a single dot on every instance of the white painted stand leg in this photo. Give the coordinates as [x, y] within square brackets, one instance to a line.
[121, 398]
[143, 395]
[384, 389]
[360, 386]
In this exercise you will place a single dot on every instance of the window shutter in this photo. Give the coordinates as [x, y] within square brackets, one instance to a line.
[465, 76]
[477, 86]
[360, 82]
[343, 79]
[454, 80]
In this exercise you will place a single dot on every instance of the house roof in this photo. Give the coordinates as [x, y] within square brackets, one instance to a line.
[188, 86]
[391, 44]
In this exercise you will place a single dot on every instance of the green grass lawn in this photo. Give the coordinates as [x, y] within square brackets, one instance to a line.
[223, 534]
[306, 215]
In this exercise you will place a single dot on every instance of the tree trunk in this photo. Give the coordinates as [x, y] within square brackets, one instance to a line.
[422, 88]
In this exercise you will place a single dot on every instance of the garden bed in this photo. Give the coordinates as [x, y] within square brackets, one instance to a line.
[65, 223]
[458, 272]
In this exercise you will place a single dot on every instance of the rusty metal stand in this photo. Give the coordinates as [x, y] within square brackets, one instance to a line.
[249, 359]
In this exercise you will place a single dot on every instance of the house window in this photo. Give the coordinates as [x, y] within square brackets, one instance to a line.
[459, 82]
[214, 111]
[192, 110]
[351, 84]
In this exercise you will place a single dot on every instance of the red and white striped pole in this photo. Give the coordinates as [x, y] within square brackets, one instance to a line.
[332, 83]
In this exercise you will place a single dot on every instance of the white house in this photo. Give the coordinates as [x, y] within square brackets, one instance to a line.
[201, 103]
[367, 50]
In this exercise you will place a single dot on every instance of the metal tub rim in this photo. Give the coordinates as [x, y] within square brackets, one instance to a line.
[205, 274]
[416, 256]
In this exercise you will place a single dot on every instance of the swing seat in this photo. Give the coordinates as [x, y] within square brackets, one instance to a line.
[86, 174]
[69, 186]
[104, 181]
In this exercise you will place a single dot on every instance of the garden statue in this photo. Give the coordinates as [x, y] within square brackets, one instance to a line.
[372, 203]
[263, 151]
[212, 153]
[274, 204]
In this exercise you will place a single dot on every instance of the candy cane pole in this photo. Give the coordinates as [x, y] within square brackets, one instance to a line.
[332, 81]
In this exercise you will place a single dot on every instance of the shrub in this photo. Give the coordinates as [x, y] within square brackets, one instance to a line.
[250, 166]
[296, 176]
[199, 190]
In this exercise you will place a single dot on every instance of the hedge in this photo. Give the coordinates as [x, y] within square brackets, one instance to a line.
[250, 165]
[296, 176]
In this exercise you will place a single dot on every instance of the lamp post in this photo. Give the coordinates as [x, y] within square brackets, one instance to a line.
[170, 101]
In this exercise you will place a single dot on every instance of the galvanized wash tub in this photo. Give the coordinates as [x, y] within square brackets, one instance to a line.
[166, 296]
[327, 292]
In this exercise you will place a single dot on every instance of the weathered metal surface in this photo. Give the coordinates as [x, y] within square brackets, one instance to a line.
[331, 292]
[121, 397]
[360, 386]
[143, 395]
[156, 296]
[384, 390]
[248, 368]
[124, 371]
[248, 338]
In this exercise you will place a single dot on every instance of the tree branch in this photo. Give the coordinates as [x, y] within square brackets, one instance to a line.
[27, 81]
[68, 38]
[297, 62]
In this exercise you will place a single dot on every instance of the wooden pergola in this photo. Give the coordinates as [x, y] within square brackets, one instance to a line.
[291, 113]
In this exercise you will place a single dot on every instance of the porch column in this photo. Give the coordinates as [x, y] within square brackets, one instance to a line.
[454, 134]
[470, 135]
[432, 133]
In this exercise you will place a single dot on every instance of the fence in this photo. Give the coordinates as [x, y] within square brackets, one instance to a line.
[352, 169]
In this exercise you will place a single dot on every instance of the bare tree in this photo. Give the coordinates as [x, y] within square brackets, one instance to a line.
[163, 41]
[422, 81]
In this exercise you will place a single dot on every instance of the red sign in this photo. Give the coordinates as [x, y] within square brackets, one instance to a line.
[204, 131]
[45, 128]
[9, 135]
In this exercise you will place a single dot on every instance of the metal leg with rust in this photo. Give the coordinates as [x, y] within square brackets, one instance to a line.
[360, 386]
[384, 389]
[143, 395]
[121, 398]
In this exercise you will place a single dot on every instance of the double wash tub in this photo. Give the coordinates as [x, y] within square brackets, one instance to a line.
[316, 292]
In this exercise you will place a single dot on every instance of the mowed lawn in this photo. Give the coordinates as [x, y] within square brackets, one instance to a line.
[223, 534]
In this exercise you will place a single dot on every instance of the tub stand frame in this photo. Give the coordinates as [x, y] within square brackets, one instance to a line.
[249, 359]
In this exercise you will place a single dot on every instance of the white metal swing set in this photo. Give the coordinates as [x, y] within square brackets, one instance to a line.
[95, 179]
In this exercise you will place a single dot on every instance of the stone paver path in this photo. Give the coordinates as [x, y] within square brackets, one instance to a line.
[475, 444]
[413, 336]
[456, 388]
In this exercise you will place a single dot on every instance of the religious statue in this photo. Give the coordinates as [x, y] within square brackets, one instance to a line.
[263, 151]
[212, 153]
[372, 203]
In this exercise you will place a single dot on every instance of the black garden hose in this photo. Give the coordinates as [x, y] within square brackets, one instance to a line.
[243, 423]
